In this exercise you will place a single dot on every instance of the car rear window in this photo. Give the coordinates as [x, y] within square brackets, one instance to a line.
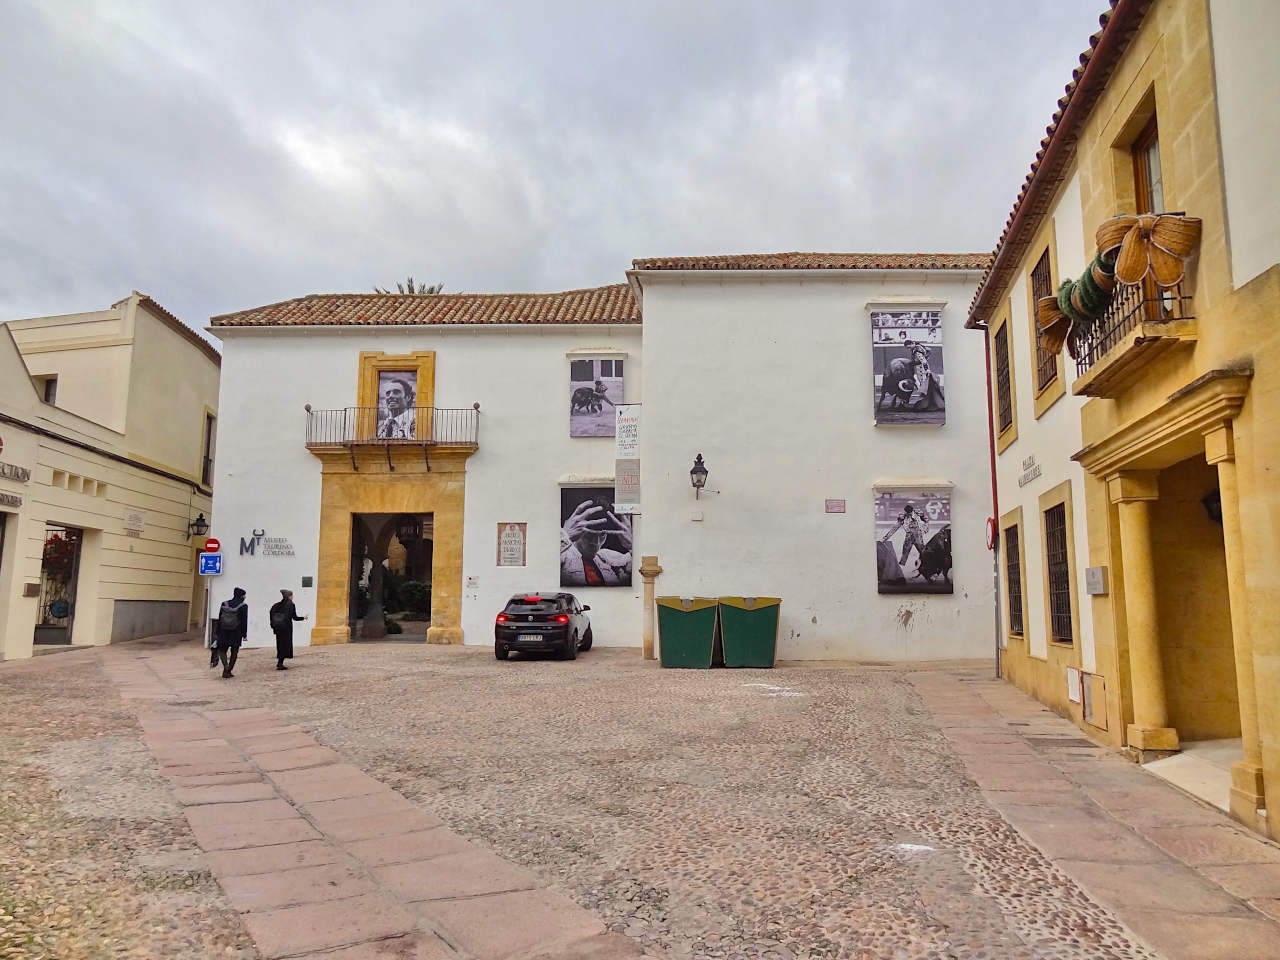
[531, 605]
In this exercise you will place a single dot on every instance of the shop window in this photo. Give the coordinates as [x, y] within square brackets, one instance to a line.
[1042, 286]
[1013, 573]
[1058, 560]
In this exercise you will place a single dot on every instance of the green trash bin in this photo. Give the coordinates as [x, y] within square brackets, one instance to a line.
[686, 631]
[749, 631]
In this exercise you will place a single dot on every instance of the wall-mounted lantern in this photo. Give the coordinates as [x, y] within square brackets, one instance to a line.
[698, 476]
[197, 527]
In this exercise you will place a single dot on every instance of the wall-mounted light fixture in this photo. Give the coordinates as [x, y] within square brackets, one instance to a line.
[197, 527]
[1212, 503]
[698, 476]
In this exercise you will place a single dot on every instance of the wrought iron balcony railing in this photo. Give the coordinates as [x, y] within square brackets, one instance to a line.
[417, 426]
[1132, 307]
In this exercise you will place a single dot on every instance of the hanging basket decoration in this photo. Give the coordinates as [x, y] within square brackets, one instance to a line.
[1066, 317]
[1149, 243]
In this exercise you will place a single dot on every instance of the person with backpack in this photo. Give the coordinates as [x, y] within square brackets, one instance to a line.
[233, 628]
[283, 614]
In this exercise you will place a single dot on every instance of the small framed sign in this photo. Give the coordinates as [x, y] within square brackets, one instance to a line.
[512, 538]
[835, 506]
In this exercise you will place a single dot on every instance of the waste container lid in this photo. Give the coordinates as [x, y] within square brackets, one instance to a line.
[751, 603]
[686, 603]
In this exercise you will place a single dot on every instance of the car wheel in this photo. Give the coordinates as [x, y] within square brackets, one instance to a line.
[586, 640]
[500, 651]
[570, 648]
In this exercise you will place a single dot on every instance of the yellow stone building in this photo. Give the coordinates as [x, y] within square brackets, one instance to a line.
[1152, 544]
[107, 429]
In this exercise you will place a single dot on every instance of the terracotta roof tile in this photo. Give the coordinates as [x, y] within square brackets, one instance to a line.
[606, 305]
[1119, 23]
[820, 261]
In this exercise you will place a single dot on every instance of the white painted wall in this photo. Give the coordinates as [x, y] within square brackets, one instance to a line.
[769, 376]
[267, 480]
[1051, 440]
[1246, 36]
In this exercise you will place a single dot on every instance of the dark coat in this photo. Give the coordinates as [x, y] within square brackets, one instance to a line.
[284, 632]
[235, 636]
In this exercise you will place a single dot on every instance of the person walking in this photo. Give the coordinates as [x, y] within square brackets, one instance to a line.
[233, 628]
[283, 616]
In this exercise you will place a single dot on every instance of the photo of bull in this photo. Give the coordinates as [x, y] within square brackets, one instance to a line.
[586, 400]
[935, 561]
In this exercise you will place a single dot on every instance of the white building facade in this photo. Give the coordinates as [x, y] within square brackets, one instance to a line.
[770, 374]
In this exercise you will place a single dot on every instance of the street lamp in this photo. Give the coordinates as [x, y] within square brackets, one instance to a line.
[197, 527]
[698, 476]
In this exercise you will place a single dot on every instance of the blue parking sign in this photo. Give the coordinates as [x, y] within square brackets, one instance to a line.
[210, 564]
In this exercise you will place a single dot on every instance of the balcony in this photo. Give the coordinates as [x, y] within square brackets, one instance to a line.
[1141, 324]
[428, 428]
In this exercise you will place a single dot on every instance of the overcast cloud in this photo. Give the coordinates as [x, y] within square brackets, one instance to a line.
[220, 156]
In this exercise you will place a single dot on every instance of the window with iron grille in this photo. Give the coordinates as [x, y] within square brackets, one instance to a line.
[1055, 539]
[1013, 569]
[1004, 393]
[1042, 286]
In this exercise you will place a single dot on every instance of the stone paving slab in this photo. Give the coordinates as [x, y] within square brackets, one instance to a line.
[420, 845]
[533, 921]
[281, 856]
[258, 810]
[415, 946]
[275, 744]
[224, 793]
[383, 803]
[317, 926]
[469, 873]
[312, 756]
[1217, 845]
[382, 825]
[1249, 881]
[230, 833]
[266, 891]
[1177, 933]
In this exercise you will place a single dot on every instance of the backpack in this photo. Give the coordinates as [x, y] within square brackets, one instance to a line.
[228, 617]
[278, 617]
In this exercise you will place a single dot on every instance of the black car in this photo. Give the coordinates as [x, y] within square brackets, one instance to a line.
[543, 623]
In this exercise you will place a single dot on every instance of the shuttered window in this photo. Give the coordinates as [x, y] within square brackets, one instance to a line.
[1042, 286]
[1013, 570]
[1057, 555]
[1004, 390]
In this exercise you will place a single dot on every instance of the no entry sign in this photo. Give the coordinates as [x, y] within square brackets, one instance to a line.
[212, 546]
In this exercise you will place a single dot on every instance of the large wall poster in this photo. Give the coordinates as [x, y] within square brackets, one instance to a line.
[595, 389]
[913, 541]
[397, 391]
[907, 358]
[595, 542]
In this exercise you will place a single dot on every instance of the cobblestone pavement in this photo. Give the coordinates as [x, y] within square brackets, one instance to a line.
[805, 812]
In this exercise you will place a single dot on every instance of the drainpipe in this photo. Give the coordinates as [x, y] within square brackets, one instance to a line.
[993, 523]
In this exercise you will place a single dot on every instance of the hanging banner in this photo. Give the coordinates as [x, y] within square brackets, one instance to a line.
[627, 431]
[626, 497]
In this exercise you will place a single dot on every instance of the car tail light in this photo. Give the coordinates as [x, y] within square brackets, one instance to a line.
[502, 618]
[562, 619]
[532, 599]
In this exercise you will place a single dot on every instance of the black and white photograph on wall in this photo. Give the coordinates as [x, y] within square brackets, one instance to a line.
[396, 401]
[595, 388]
[913, 541]
[906, 350]
[595, 542]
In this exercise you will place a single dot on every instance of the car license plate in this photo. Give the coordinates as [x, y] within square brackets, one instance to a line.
[530, 638]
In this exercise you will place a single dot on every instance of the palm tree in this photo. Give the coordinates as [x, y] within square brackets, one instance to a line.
[410, 287]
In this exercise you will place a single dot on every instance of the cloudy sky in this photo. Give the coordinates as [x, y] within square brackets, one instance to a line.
[224, 155]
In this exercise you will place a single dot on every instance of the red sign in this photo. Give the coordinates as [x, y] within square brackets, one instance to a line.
[212, 546]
